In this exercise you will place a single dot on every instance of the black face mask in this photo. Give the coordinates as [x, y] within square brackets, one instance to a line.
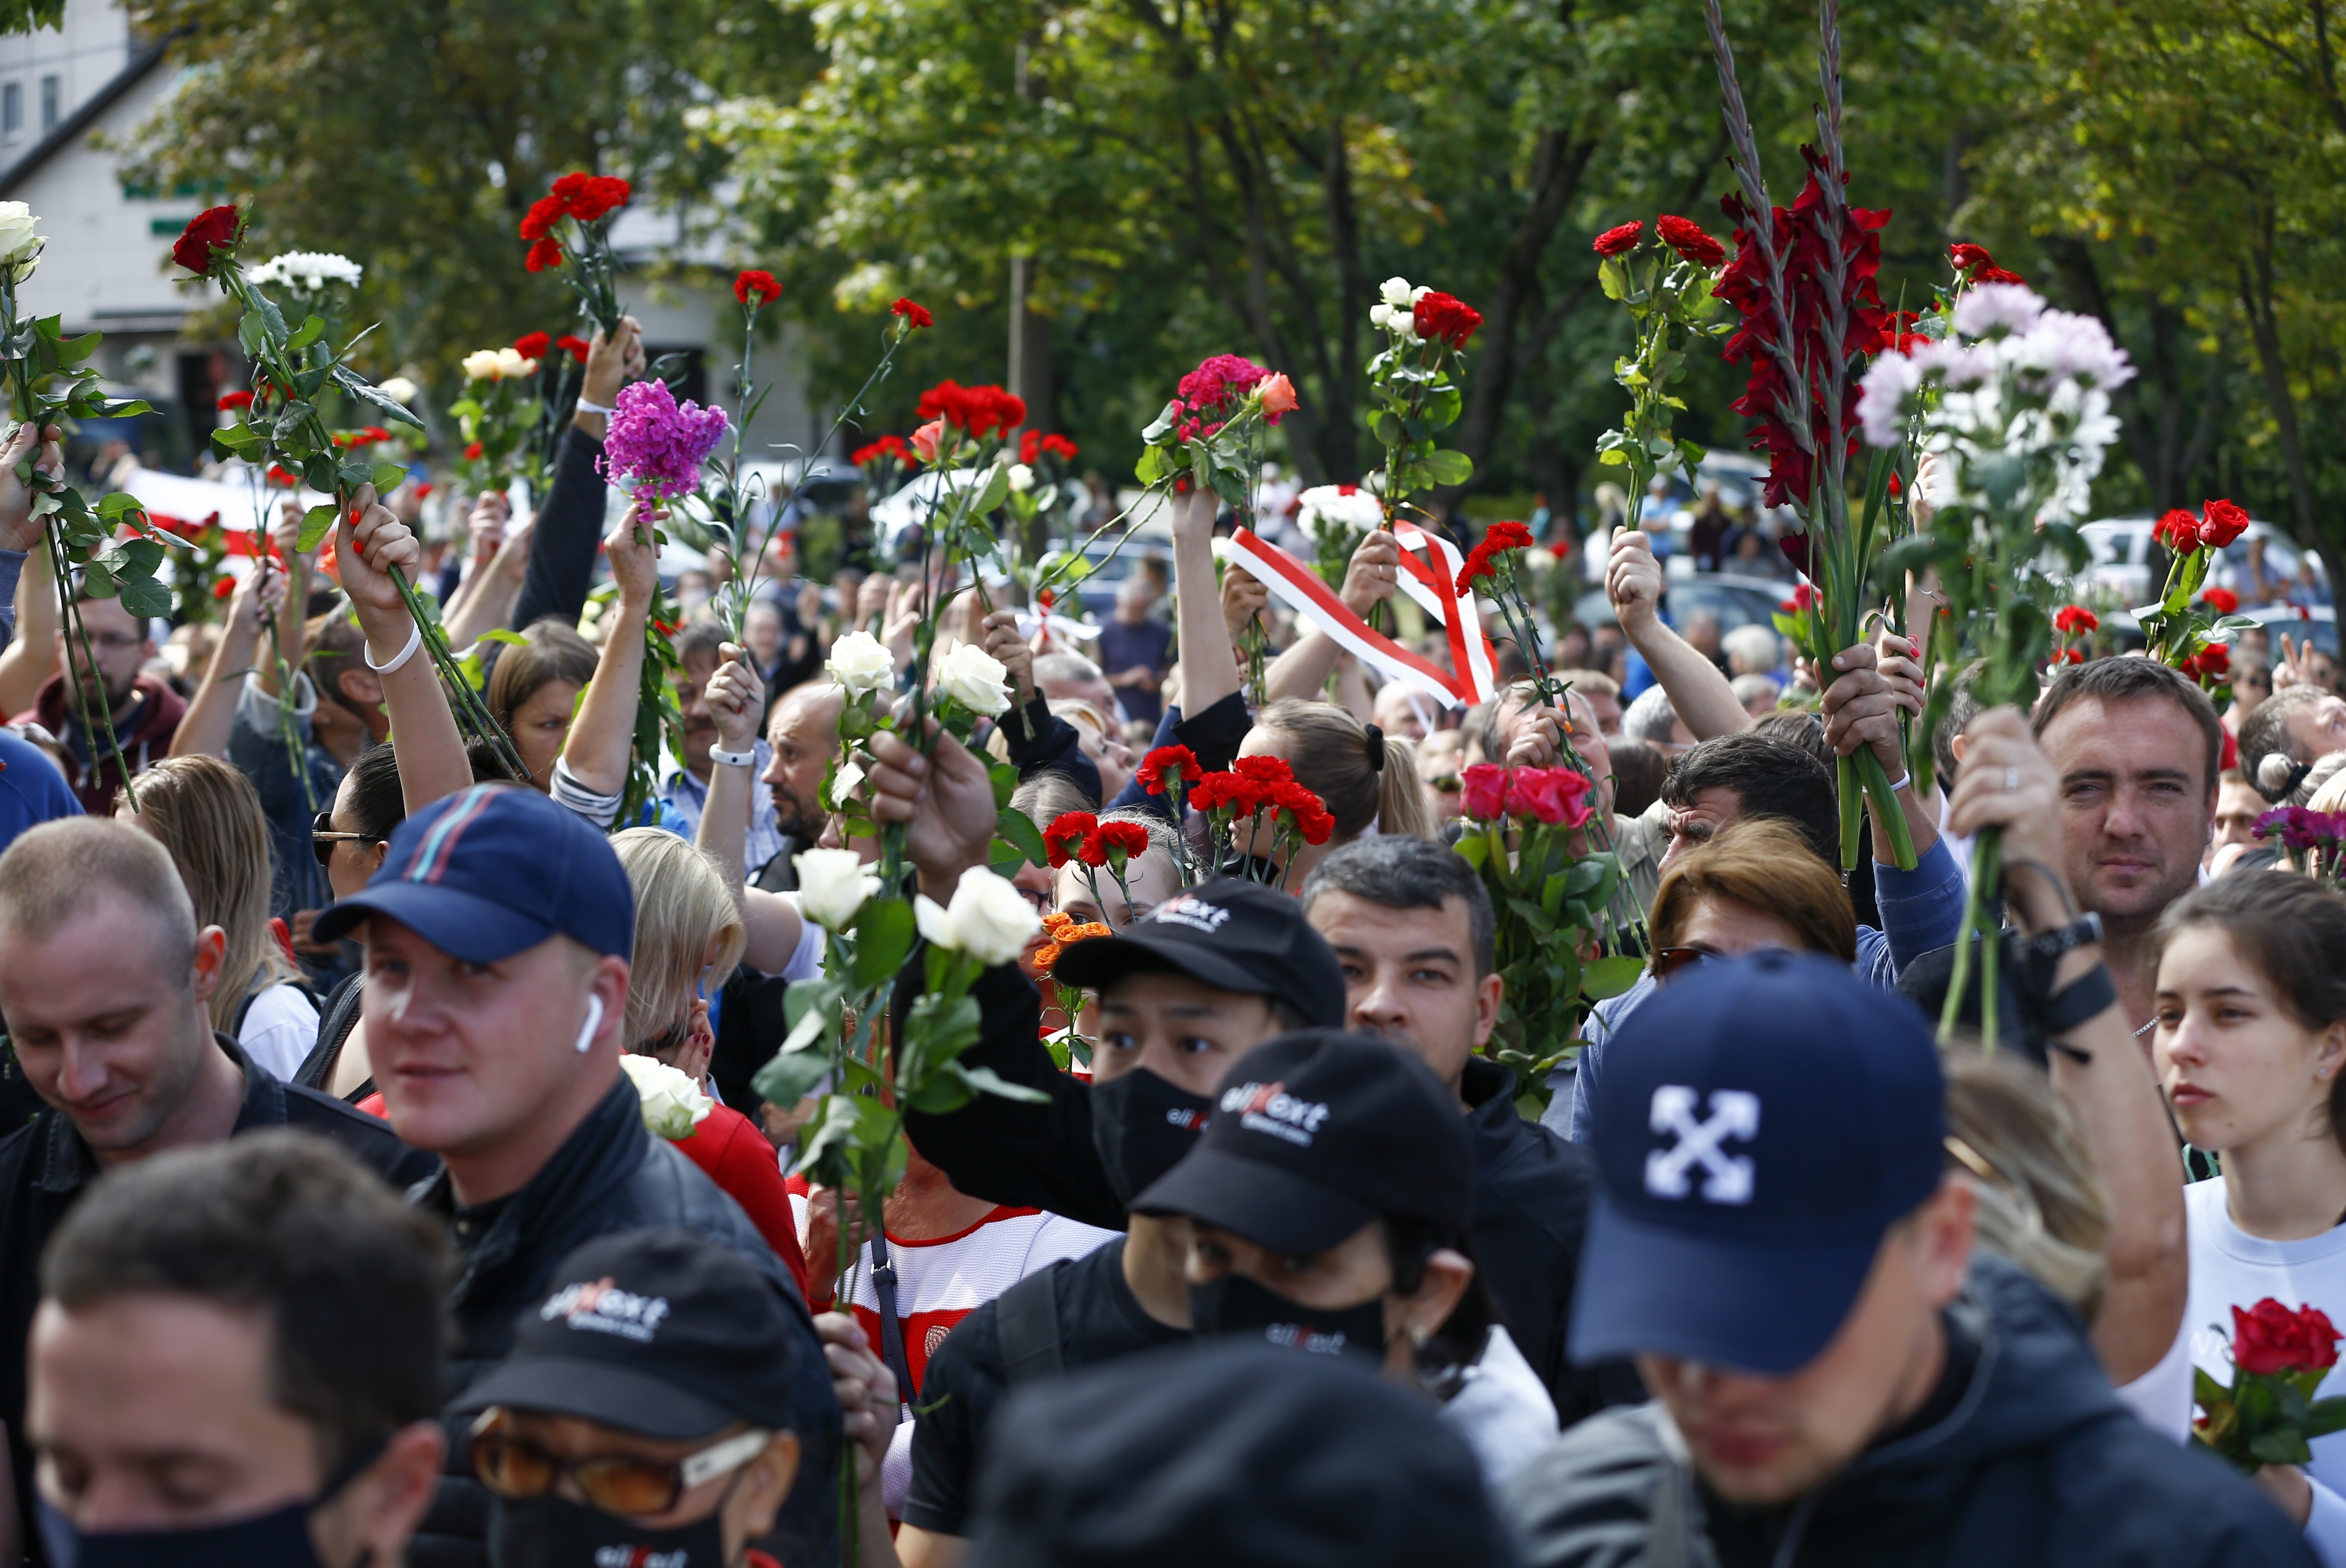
[1141, 1127]
[276, 1540]
[551, 1532]
[1234, 1304]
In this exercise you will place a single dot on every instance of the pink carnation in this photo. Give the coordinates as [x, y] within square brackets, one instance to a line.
[1220, 379]
[657, 444]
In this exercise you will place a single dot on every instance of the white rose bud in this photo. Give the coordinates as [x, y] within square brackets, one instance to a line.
[20, 244]
[673, 1104]
[1379, 315]
[988, 919]
[1022, 478]
[513, 367]
[975, 679]
[1396, 292]
[833, 885]
[481, 365]
[861, 663]
[399, 389]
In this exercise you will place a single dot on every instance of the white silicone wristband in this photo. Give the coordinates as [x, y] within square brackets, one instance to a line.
[583, 406]
[414, 641]
[733, 758]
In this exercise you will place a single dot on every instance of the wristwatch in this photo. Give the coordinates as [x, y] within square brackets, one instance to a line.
[2051, 944]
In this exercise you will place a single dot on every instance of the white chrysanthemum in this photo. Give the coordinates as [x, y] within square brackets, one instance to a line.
[1988, 309]
[309, 271]
[1326, 509]
[1881, 399]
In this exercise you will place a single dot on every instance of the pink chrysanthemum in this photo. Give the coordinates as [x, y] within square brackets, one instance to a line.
[657, 444]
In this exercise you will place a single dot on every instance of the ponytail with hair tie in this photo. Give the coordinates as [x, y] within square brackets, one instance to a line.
[1376, 749]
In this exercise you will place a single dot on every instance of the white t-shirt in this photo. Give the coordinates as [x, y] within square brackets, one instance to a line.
[280, 1030]
[1503, 1412]
[2230, 1268]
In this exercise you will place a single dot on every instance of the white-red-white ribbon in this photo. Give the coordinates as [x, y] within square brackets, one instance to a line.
[1299, 588]
[1430, 565]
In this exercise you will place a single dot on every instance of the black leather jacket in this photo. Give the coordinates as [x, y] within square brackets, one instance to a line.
[610, 1174]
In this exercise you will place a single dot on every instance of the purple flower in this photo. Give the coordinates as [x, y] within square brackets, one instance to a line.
[2300, 828]
[657, 444]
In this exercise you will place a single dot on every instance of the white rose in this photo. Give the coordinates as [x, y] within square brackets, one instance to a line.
[975, 679]
[673, 1104]
[20, 244]
[988, 919]
[481, 365]
[1420, 292]
[847, 780]
[1396, 292]
[861, 663]
[833, 885]
[1379, 315]
[399, 389]
[1022, 478]
[513, 367]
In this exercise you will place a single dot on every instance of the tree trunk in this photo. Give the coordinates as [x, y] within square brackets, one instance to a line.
[2264, 329]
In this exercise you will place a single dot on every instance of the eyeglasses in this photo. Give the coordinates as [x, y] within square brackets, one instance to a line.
[515, 1467]
[322, 837]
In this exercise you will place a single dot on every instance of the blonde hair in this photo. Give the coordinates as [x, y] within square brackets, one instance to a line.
[689, 931]
[2039, 1201]
[207, 818]
[1327, 749]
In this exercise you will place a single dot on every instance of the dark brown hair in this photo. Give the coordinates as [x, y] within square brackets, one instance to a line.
[2112, 680]
[548, 651]
[1763, 863]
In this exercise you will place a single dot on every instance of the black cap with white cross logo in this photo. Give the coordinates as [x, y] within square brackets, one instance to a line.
[1761, 1124]
[1316, 1133]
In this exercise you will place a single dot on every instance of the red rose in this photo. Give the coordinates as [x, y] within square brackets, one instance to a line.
[2318, 1337]
[545, 255]
[1485, 787]
[1066, 830]
[1112, 844]
[533, 345]
[1996, 275]
[1621, 240]
[2074, 618]
[760, 283]
[2178, 531]
[235, 399]
[1966, 257]
[277, 475]
[1178, 760]
[1553, 795]
[1441, 317]
[539, 221]
[1689, 238]
[206, 235]
[2212, 663]
[2225, 523]
[2272, 1340]
[224, 587]
[472, 452]
[577, 347]
[2223, 601]
[917, 315]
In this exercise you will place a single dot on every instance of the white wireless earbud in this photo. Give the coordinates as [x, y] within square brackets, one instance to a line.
[594, 1021]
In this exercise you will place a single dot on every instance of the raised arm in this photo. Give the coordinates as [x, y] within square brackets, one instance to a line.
[1371, 578]
[1861, 709]
[1210, 665]
[205, 728]
[31, 656]
[484, 600]
[296, 568]
[1701, 696]
[570, 517]
[432, 761]
[596, 752]
[770, 921]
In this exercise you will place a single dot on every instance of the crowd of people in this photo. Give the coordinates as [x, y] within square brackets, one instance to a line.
[385, 1178]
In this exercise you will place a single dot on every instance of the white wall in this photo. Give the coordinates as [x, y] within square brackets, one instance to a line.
[94, 45]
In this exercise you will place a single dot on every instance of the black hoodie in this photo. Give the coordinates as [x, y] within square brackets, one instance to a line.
[2032, 1461]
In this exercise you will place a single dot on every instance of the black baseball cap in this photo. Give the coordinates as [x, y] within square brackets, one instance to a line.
[1229, 933]
[1232, 1453]
[1315, 1134]
[1761, 1124]
[660, 1332]
[493, 870]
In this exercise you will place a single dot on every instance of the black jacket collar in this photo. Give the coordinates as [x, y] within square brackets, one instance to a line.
[68, 1165]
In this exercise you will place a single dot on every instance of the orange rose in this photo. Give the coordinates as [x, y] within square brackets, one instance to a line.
[1278, 398]
[925, 439]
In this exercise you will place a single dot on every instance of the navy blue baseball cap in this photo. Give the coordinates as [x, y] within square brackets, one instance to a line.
[1760, 1125]
[492, 870]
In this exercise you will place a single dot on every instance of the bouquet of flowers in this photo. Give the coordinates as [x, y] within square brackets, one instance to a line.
[1063, 931]
[1095, 845]
[1336, 518]
[569, 231]
[2314, 842]
[499, 414]
[1413, 383]
[2015, 403]
[1211, 433]
[1252, 787]
[2190, 625]
[1668, 288]
[2269, 1414]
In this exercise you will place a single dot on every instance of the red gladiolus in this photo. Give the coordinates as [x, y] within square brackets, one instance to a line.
[2071, 619]
[207, 233]
[760, 283]
[1619, 240]
[2269, 1338]
[917, 315]
[577, 347]
[1483, 789]
[545, 256]
[1066, 834]
[1689, 238]
[472, 452]
[1179, 761]
[1111, 844]
[2225, 523]
[2223, 601]
[1438, 318]
[235, 399]
[1966, 257]
[533, 345]
[1803, 599]
[2178, 531]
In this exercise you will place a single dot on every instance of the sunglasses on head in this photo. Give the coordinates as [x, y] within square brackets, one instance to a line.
[322, 837]
[515, 1467]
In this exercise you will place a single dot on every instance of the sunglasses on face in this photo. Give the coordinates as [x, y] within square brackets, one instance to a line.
[1448, 784]
[1668, 961]
[322, 837]
[514, 1467]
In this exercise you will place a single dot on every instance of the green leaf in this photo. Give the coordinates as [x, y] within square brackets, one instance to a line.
[308, 332]
[1004, 776]
[1609, 977]
[997, 488]
[1450, 468]
[319, 473]
[791, 1075]
[145, 595]
[314, 524]
[388, 477]
[884, 939]
[2284, 1446]
[358, 387]
[1021, 834]
[119, 504]
[985, 1080]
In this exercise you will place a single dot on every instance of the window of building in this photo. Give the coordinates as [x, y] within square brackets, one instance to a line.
[12, 108]
[49, 97]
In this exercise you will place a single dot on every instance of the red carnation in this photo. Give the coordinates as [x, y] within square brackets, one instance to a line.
[472, 452]
[761, 284]
[1619, 241]
[1111, 844]
[1311, 818]
[889, 445]
[235, 399]
[207, 234]
[2178, 531]
[590, 197]
[1485, 787]
[1066, 830]
[1060, 447]
[578, 347]
[545, 255]
[2073, 618]
[2223, 601]
[2225, 523]
[1966, 257]
[533, 345]
[539, 221]
[1477, 565]
[917, 315]
[1178, 760]
[1506, 537]
[1689, 238]
[1267, 772]
[1441, 317]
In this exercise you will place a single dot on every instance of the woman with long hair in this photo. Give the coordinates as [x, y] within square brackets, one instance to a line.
[207, 815]
[533, 690]
[1365, 778]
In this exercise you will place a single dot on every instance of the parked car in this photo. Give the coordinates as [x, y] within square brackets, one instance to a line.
[2123, 550]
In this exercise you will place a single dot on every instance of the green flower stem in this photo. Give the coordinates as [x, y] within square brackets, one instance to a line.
[81, 633]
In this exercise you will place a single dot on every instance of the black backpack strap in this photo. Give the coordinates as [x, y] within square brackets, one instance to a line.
[339, 1016]
[1026, 1319]
[892, 1328]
